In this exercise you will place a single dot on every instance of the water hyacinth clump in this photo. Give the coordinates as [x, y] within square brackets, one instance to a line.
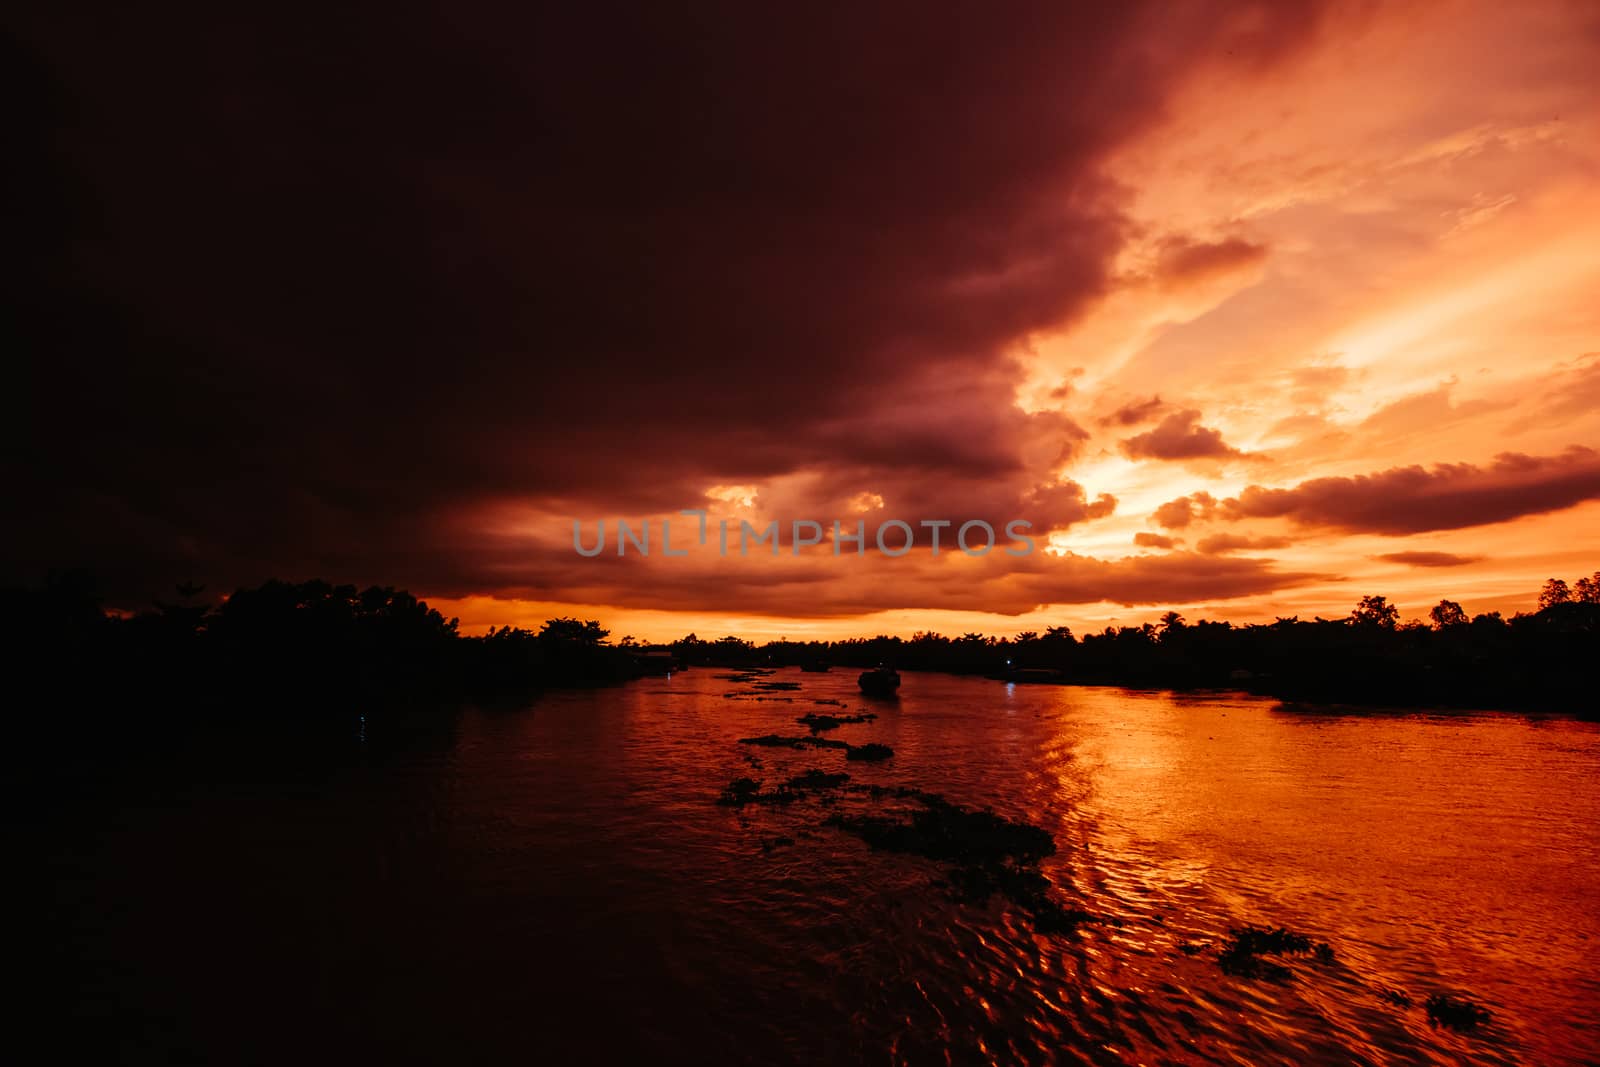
[820, 723]
[945, 831]
[781, 741]
[742, 791]
[1241, 954]
[1455, 1012]
[814, 779]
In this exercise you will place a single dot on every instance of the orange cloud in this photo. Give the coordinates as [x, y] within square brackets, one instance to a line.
[1180, 436]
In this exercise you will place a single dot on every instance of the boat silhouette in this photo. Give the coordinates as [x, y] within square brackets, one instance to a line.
[879, 682]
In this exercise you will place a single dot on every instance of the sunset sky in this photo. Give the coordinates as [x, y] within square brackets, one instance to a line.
[1256, 308]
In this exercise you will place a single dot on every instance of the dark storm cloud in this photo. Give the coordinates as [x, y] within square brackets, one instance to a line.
[1405, 500]
[809, 585]
[296, 296]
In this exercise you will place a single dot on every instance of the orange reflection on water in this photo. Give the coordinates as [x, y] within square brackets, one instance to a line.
[1442, 850]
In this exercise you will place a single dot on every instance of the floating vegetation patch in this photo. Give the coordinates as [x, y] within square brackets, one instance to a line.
[975, 884]
[992, 856]
[739, 790]
[1398, 997]
[814, 779]
[1455, 1012]
[945, 831]
[780, 741]
[1052, 917]
[1024, 886]
[897, 792]
[744, 791]
[1242, 954]
[783, 686]
[869, 753]
[820, 723]
[829, 702]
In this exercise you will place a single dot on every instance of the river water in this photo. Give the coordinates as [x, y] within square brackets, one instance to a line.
[556, 884]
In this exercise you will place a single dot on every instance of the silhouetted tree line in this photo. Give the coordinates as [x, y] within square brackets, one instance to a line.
[1543, 660]
[288, 651]
[293, 651]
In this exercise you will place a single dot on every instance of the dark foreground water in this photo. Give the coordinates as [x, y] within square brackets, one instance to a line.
[556, 885]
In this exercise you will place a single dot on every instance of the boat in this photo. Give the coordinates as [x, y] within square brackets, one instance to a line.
[881, 682]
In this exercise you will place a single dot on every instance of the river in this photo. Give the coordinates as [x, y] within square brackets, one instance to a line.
[556, 884]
